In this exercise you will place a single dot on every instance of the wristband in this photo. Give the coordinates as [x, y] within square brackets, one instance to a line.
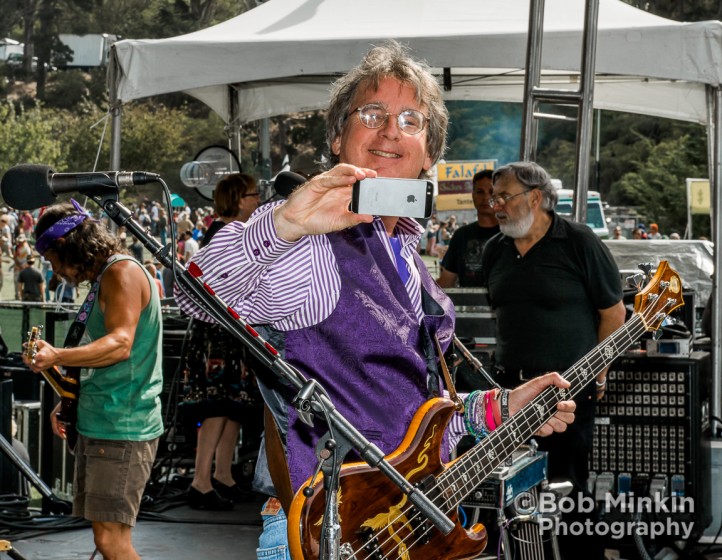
[490, 423]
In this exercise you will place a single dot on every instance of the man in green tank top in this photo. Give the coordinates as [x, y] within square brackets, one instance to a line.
[118, 411]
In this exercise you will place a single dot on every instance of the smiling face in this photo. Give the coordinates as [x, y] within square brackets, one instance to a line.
[387, 150]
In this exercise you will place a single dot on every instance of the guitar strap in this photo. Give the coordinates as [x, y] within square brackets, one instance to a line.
[458, 403]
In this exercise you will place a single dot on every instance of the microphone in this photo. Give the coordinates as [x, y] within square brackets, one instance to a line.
[28, 186]
[286, 182]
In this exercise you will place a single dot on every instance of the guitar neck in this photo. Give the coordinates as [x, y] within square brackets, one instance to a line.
[464, 475]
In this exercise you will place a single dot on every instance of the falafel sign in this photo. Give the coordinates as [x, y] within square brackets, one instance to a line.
[454, 182]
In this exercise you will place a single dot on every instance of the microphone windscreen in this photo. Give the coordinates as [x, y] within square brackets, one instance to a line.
[286, 181]
[26, 186]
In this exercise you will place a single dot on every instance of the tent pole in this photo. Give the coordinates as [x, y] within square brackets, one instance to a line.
[714, 144]
[233, 128]
[115, 110]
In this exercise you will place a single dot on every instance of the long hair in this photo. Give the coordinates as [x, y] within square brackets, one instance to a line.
[228, 194]
[86, 247]
[389, 60]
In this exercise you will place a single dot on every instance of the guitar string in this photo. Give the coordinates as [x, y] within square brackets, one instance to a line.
[550, 397]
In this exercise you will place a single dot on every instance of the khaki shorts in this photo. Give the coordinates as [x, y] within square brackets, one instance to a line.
[110, 478]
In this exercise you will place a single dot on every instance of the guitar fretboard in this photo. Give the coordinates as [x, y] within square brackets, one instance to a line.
[465, 475]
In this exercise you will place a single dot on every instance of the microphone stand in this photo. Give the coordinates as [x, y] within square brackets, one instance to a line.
[311, 397]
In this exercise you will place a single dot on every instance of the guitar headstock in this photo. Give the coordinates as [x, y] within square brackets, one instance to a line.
[31, 347]
[661, 296]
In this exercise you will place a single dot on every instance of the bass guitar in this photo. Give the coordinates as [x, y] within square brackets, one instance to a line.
[378, 522]
[66, 386]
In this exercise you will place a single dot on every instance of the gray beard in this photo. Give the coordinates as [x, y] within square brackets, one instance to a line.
[518, 228]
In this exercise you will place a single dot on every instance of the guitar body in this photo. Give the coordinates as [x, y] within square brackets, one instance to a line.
[68, 413]
[392, 531]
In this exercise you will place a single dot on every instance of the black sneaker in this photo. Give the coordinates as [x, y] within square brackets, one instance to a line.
[211, 501]
[233, 493]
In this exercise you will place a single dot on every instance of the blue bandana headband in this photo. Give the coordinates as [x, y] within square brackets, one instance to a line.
[61, 228]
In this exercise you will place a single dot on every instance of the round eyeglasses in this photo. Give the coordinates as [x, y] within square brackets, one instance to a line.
[502, 199]
[373, 115]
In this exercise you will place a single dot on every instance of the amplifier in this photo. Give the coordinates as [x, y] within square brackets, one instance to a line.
[498, 491]
[27, 418]
[653, 425]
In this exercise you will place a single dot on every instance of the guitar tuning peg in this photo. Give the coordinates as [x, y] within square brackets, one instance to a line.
[636, 281]
[646, 268]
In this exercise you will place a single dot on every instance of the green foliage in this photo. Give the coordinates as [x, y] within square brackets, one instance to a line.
[29, 137]
[67, 90]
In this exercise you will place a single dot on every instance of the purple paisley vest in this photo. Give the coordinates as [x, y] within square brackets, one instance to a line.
[383, 367]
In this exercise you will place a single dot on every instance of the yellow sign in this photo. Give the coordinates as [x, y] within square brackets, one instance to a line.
[462, 170]
[698, 196]
[454, 182]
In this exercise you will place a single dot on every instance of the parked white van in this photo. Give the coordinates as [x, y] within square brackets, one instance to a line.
[595, 210]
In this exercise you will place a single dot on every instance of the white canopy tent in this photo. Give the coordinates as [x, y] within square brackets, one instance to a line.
[281, 57]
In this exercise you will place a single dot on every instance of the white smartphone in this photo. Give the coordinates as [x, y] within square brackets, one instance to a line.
[382, 196]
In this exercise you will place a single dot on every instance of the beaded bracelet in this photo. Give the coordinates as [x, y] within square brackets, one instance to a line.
[474, 412]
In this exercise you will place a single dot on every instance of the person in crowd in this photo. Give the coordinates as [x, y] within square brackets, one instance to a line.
[27, 220]
[341, 293]
[441, 240]
[190, 246]
[220, 387]
[654, 232]
[183, 224]
[21, 253]
[617, 234]
[674, 236]
[556, 292]
[429, 235]
[119, 411]
[162, 226]
[31, 283]
[6, 232]
[65, 291]
[153, 271]
[136, 249]
[639, 233]
[462, 262]
[46, 269]
[166, 276]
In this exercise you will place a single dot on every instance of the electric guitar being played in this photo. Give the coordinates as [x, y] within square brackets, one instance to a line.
[66, 386]
[378, 522]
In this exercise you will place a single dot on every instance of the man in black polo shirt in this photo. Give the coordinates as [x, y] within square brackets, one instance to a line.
[31, 283]
[462, 262]
[557, 292]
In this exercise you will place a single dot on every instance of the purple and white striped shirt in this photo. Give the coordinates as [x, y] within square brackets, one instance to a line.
[289, 285]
